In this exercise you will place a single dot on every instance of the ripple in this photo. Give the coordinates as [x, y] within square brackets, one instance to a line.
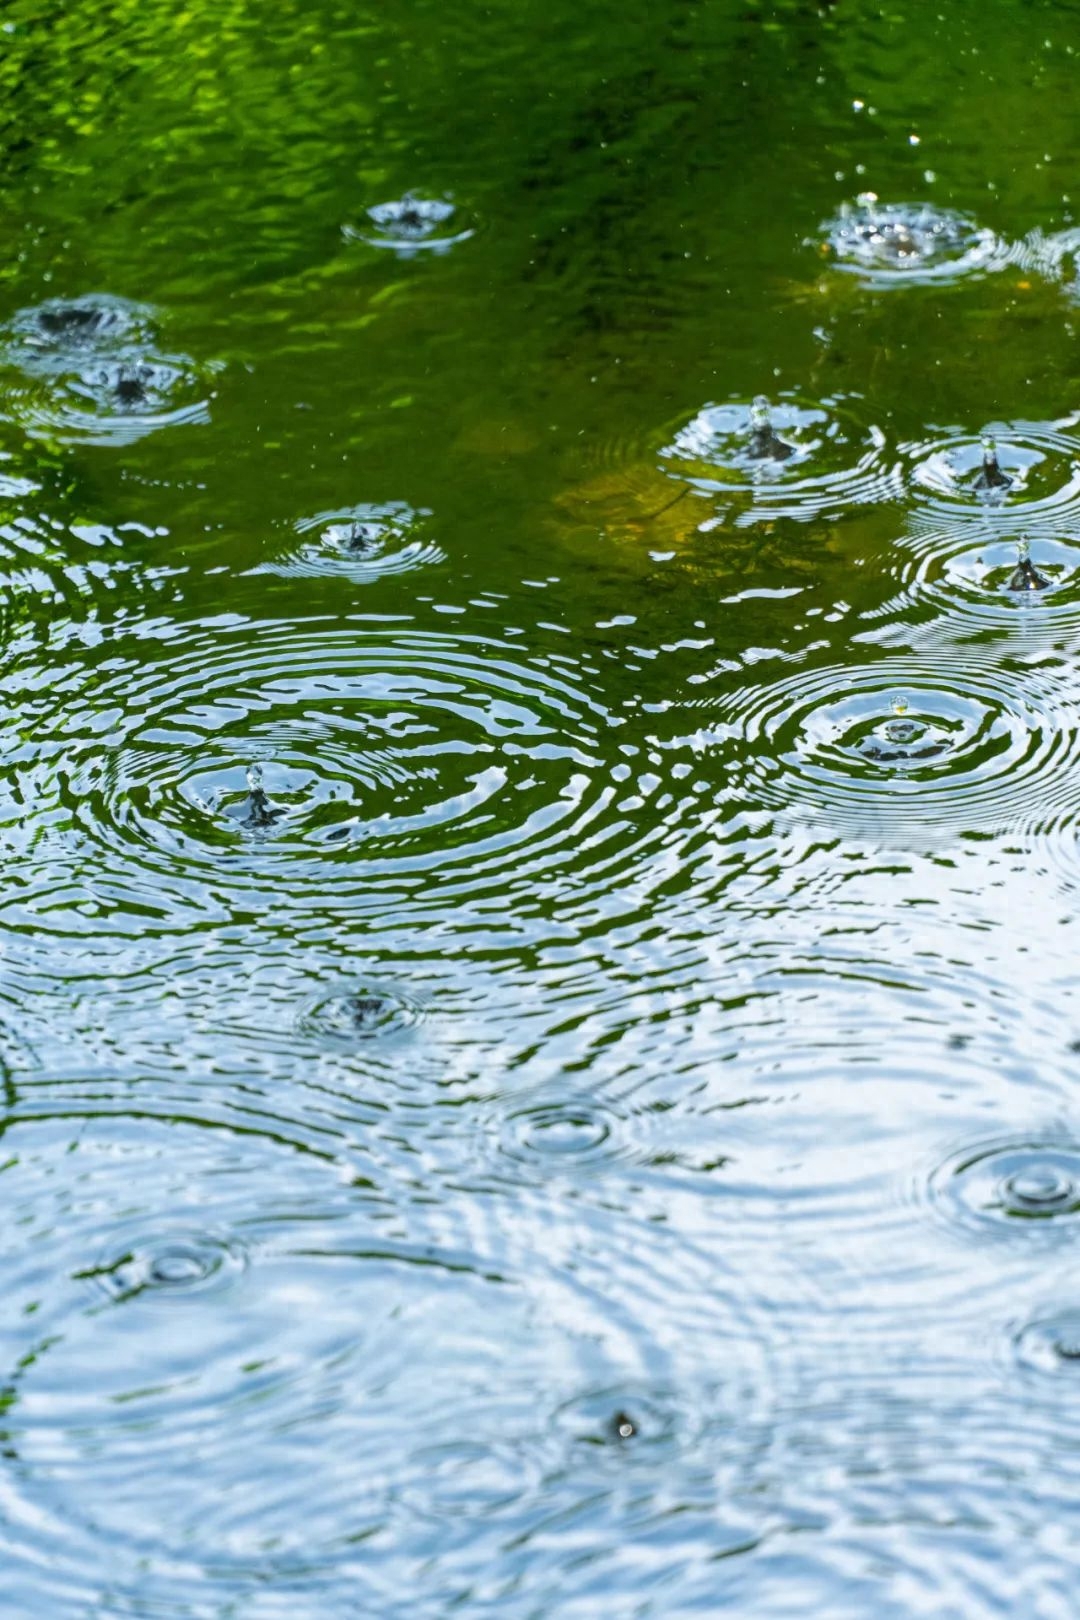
[629, 1421]
[572, 1135]
[830, 462]
[978, 580]
[1041, 461]
[1059, 256]
[859, 1480]
[50, 331]
[173, 1264]
[463, 1477]
[476, 1383]
[1049, 1348]
[116, 1205]
[971, 755]
[410, 225]
[362, 542]
[365, 1012]
[88, 371]
[354, 761]
[1009, 1184]
[897, 244]
[132, 1454]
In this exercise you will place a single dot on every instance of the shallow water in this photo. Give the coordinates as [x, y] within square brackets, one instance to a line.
[538, 1025]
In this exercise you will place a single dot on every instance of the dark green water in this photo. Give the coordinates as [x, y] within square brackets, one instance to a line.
[537, 1001]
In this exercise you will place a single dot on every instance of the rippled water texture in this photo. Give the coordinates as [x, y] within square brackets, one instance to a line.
[539, 812]
[88, 369]
[891, 243]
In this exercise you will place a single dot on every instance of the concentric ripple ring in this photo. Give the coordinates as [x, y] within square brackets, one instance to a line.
[89, 371]
[826, 459]
[899, 750]
[897, 244]
[1041, 460]
[351, 759]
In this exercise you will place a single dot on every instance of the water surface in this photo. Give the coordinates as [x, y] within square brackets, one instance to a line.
[538, 1024]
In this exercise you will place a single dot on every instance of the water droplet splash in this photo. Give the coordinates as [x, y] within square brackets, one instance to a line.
[1025, 576]
[904, 737]
[173, 1265]
[368, 1012]
[990, 481]
[765, 444]
[89, 370]
[363, 542]
[898, 243]
[978, 752]
[765, 461]
[1049, 1347]
[411, 224]
[256, 812]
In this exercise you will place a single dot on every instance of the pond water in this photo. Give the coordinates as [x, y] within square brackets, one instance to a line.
[540, 604]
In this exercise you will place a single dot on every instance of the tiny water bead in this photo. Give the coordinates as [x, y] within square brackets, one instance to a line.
[89, 370]
[411, 224]
[801, 461]
[623, 1420]
[1010, 1183]
[889, 244]
[362, 542]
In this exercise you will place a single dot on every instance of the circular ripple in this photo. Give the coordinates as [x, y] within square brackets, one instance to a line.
[365, 1012]
[410, 225]
[468, 1477]
[344, 763]
[1009, 1183]
[361, 542]
[895, 244]
[88, 370]
[176, 1263]
[987, 580]
[406, 1379]
[567, 1135]
[1041, 461]
[1050, 1346]
[806, 462]
[970, 755]
[49, 332]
